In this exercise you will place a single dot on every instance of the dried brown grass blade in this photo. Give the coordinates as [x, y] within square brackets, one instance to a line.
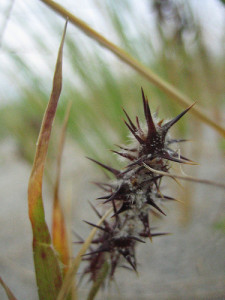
[59, 231]
[7, 290]
[47, 269]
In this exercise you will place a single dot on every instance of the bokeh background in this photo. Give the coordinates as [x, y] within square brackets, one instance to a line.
[183, 42]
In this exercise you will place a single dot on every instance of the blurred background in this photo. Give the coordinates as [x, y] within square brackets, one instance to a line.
[183, 42]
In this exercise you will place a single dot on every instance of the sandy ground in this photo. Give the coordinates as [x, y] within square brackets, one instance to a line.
[189, 264]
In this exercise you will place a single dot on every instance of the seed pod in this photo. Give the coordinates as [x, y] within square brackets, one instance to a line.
[134, 193]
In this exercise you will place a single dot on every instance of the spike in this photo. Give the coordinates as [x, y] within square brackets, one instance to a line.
[160, 234]
[175, 154]
[94, 225]
[169, 124]
[114, 195]
[166, 155]
[97, 251]
[168, 198]
[126, 155]
[177, 141]
[112, 170]
[148, 116]
[104, 197]
[154, 234]
[134, 133]
[131, 123]
[138, 161]
[152, 203]
[125, 206]
[139, 127]
[127, 268]
[135, 239]
[126, 149]
[128, 258]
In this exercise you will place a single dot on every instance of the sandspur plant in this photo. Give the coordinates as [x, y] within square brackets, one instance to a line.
[135, 193]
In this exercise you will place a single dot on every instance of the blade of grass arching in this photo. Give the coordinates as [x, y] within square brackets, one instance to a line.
[59, 231]
[97, 284]
[70, 277]
[48, 273]
[169, 89]
[7, 290]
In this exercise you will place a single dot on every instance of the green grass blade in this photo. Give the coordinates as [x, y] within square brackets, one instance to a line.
[48, 273]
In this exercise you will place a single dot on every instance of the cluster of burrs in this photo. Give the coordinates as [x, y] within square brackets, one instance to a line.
[134, 193]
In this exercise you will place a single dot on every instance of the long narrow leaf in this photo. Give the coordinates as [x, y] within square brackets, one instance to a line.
[48, 273]
[59, 232]
[7, 290]
[165, 86]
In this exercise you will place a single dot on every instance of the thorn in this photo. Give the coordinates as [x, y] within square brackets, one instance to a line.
[169, 124]
[94, 225]
[97, 251]
[112, 170]
[175, 154]
[104, 197]
[128, 259]
[138, 161]
[177, 141]
[134, 133]
[126, 149]
[131, 123]
[139, 127]
[136, 239]
[166, 197]
[161, 234]
[152, 203]
[123, 208]
[166, 155]
[148, 116]
[126, 155]
[114, 195]
[95, 210]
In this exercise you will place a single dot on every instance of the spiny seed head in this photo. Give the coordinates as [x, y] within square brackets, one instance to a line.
[134, 194]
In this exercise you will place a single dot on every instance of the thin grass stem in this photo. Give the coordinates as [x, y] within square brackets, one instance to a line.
[169, 89]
